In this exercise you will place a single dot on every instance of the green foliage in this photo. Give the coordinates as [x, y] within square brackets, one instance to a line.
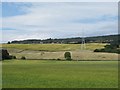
[118, 51]
[67, 56]
[58, 59]
[5, 55]
[8, 42]
[12, 57]
[114, 47]
[77, 40]
[23, 57]
[97, 50]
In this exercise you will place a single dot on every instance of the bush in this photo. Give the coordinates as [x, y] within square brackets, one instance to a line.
[108, 50]
[5, 54]
[8, 42]
[102, 50]
[67, 56]
[12, 57]
[23, 58]
[118, 51]
[97, 50]
[58, 59]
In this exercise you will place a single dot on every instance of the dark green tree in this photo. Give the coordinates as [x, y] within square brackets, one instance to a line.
[67, 56]
[23, 57]
[8, 42]
[4, 54]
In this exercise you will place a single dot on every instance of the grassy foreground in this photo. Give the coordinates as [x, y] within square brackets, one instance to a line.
[60, 74]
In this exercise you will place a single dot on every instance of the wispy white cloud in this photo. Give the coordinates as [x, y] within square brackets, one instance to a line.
[58, 20]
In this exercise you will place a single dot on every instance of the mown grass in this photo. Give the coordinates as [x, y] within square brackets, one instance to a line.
[59, 74]
[53, 47]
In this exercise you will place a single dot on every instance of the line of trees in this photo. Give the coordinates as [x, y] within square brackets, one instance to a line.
[77, 40]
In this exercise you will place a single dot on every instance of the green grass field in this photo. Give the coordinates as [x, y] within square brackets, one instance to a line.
[59, 74]
[53, 47]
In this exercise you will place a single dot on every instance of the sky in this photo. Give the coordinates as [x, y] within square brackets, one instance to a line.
[42, 20]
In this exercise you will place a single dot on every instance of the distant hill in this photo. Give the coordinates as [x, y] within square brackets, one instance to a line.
[75, 40]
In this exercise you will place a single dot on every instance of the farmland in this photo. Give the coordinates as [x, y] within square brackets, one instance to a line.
[59, 74]
[42, 69]
[56, 51]
[59, 44]
[53, 47]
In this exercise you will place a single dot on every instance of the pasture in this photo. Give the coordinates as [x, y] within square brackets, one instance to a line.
[47, 72]
[59, 74]
[53, 47]
[56, 51]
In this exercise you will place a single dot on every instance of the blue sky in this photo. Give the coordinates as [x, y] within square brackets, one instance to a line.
[13, 9]
[57, 20]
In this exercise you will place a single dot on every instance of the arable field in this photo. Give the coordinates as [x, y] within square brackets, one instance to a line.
[59, 74]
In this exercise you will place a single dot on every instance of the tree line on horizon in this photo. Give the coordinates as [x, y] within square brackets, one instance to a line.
[76, 40]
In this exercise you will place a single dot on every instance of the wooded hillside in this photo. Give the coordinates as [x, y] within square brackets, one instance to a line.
[76, 40]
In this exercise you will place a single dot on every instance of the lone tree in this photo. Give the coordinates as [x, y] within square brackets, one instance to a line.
[8, 42]
[4, 54]
[67, 56]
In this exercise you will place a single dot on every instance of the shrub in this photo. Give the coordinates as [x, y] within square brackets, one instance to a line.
[5, 54]
[109, 50]
[8, 42]
[67, 56]
[97, 50]
[58, 59]
[118, 51]
[23, 58]
[102, 50]
[13, 57]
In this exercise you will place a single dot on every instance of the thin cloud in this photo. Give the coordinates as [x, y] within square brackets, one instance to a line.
[59, 20]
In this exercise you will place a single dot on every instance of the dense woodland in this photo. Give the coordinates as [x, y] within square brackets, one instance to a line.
[76, 40]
